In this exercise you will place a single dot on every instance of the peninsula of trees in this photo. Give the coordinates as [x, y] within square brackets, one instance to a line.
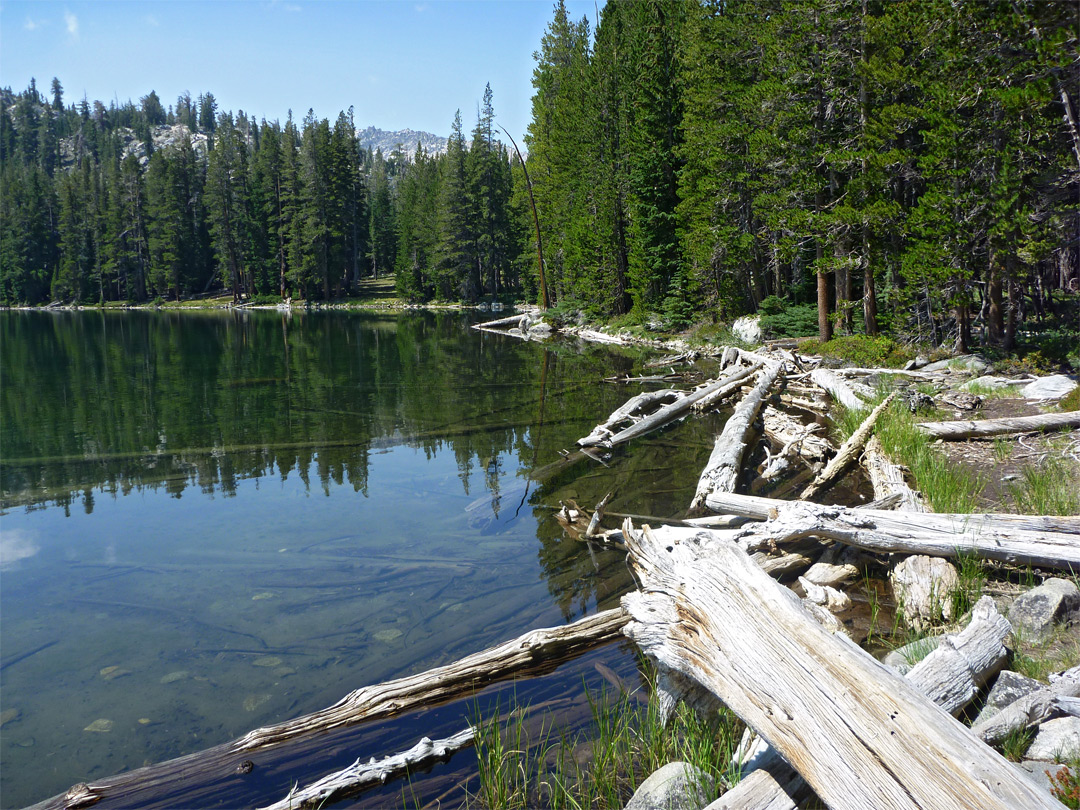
[915, 161]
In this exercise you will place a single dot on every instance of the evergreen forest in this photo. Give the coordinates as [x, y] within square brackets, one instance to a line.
[903, 166]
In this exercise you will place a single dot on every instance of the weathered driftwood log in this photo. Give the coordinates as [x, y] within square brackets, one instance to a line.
[922, 586]
[510, 320]
[1032, 709]
[636, 406]
[887, 478]
[950, 676]
[536, 651]
[849, 451]
[967, 429]
[736, 379]
[722, 470]
[362, 775]
[1048, 541]
[835, 567]
[839, 389]
[675, 410]
[795, 440]
[954, 672]
[860, 735]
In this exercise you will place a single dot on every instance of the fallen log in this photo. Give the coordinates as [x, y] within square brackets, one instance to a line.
[968, 429]
[510, 320]
[794, 438]
[1053, 542]
[722, 470]
[362, 775]
[845, 457]
[887, 478]
[676, 409]
[633, 407]
[1032, 709]
[838, 389]
[536, 651]
[968, 661]
[735, 376]
[860, 735]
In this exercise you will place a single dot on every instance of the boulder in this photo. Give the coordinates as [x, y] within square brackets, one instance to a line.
[1054, 387]
[1037, 612]
[1057, 740]
[923, 586]
[1037, 772]
[1009, 687]
[748, 329]
[676, 786]
[965, 364]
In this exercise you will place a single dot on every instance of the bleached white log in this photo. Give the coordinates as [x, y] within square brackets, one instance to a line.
[676, 409]
[361, 775]
[838, 389]
[888, 479]
[835, 567]
[722, 469]
[954, 672]
[1031, 709]
[825, 595]
[967, 429]
[848, 452]
[736, 379]
[510, 320]
[633, 407]
[923, 586]
[1048, 541]
[794, 438]
[860, 735]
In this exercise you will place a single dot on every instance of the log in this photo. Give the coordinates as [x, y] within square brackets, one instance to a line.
[675, 410]
[860, 735]
[1031, 709]
[722, 470]
[968, 662]
[628, 410]
[538, 650]
[887, 478]
[510, 320]
[847, 454]
[795, 440]
[1050, 541]
[736, 376]
[968, 429]
[838, 389]
[360, 775]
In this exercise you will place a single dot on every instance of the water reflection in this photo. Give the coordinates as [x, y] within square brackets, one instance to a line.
[219, 520]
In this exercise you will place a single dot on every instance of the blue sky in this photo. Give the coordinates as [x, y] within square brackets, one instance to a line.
[399, 64]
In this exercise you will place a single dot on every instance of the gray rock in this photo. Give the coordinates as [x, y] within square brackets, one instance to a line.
[540, 329]
[1009, 687]
[903, 659]
[1036, 772]
[676, 786]
[922, 586]
[965, 364]
[1036, 612]
[748, 329]
[1057, 740]
[1055, 386]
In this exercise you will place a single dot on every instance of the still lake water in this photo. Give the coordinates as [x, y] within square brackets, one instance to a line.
[216, 521]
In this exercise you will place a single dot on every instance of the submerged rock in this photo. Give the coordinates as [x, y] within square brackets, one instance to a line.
[100, 726]
[676, 786]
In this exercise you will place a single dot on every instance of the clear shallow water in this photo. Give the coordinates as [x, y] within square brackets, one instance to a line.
[218, 521]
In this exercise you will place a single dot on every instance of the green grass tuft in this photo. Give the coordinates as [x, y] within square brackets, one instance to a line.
[1048, 489]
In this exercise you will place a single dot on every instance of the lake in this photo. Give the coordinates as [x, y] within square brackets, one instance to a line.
[214, 521]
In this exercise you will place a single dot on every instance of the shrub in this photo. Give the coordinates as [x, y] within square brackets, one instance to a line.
[780, 319]
[873, 352]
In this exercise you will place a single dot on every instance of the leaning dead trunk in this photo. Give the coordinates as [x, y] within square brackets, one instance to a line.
[847, 454]
[860, 735]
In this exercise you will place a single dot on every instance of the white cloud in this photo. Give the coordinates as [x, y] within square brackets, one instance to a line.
[72, 23]
[33, 25]
[15, 545]
[151, 20]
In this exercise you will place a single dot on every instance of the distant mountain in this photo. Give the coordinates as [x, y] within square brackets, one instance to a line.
[403, 139]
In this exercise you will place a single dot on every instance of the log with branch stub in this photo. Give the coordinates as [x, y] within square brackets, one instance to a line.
[847, 454]
[632, 410]
[363, 775]
[509, 321]
[1053, 542]
[722, 470]
[537, 651]
[859, 734]
[796, 440]
[887, 478]
[736, 378]
[967, 429]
